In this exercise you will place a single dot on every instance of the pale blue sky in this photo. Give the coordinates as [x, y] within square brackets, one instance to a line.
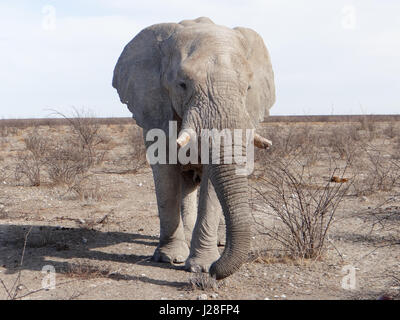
[329, 57]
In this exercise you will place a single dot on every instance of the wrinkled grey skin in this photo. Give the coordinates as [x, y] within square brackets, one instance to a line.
[204, 76]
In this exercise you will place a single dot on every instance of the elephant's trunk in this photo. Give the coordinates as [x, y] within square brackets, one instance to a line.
[231, 190]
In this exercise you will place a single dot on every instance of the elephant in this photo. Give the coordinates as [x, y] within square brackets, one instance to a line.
[203, 76]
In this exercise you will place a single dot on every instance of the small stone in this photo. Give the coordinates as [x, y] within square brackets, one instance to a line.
[214, 295]
[283, 296]
[84, 240]
[202, 297]
[266, 298]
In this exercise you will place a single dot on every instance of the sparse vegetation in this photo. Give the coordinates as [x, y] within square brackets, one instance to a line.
[137, 149]
[203, 281]
[302, 206]
[85, 270]
[324, 190]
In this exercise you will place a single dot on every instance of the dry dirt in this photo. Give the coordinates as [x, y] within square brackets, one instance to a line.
[100, 241]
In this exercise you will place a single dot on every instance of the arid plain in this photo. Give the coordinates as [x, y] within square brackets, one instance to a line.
[77, 198]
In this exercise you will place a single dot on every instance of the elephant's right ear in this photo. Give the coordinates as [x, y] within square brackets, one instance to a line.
[137, 77]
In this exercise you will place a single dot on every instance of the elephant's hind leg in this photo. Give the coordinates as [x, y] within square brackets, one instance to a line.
[172, 247]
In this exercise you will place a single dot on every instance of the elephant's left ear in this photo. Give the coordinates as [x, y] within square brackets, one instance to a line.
[261, 95]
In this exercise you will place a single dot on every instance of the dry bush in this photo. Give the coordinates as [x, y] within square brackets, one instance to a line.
[294, 141]
[6, 130]
[65, 161]
[86, 129]
[369, 126]
[87, 188]
[85, 270]
[301, 207]
[203, 281]
[137, 153]
[377, 171]
[288, 142]
[61, 160]
[30, 169]
[29, 166]
[341, 142]
[391, 130]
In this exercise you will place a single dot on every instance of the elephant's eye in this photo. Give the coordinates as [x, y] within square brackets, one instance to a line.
[182, 85]
[249, 87]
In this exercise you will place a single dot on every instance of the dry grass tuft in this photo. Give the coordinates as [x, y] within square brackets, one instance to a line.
[85, 270]
[203, 281]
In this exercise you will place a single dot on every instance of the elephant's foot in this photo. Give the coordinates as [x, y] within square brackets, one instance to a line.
[173, 252]
[201, 263]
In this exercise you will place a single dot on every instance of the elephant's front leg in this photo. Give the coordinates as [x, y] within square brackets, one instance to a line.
[189, 203]
[172, 247]
[204, 250]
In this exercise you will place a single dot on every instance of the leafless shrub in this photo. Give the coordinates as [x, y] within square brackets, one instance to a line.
[137, 153]
[310, 144]
[85, 270]
[87, 188]
[391, 130]
[30, 165]
[203, 281]
[378, 172]
[64, 162]
[341, 145]
[87, 130]
[369, 126]
[301, 207]
[85, 126]
[288, 143]
[6, 130]
[29, 168]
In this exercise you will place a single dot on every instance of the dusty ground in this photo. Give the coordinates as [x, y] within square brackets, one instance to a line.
[100, 240]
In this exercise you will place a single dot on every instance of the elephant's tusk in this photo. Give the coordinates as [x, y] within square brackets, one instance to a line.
[183, 139]
[261, 142]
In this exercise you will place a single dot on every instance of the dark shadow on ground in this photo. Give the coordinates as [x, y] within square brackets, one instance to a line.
[46, 244]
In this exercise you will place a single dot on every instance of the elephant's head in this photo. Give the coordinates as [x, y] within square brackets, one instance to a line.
[205, 76]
